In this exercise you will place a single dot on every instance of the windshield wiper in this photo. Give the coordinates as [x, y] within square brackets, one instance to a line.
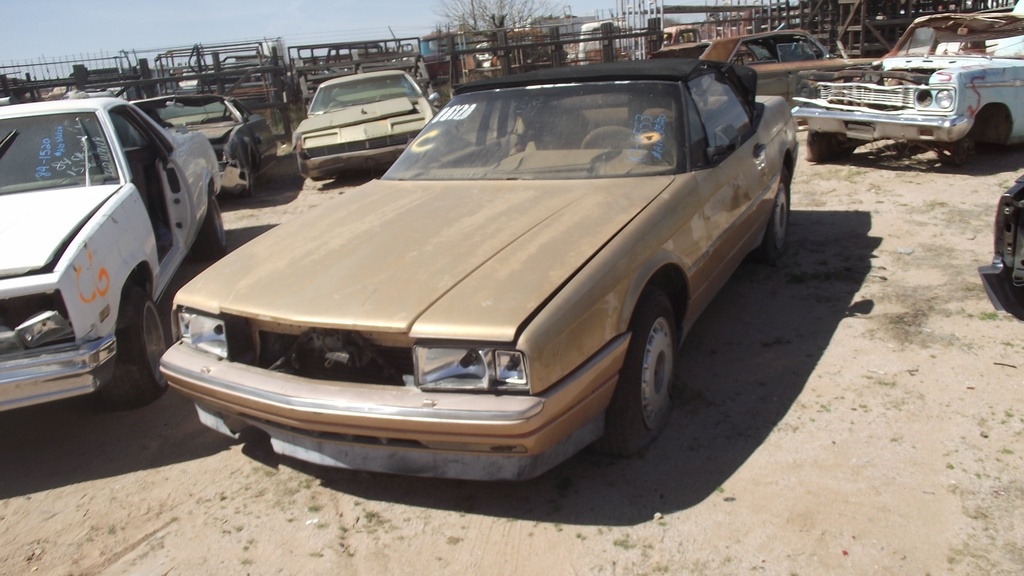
[7, 141]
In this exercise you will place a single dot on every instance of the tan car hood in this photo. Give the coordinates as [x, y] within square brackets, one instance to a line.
[356, 115]
[431, 259]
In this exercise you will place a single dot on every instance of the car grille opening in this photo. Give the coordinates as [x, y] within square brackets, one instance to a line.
[338, 355]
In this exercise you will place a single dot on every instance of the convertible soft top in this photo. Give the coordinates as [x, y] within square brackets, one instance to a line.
[671, 69]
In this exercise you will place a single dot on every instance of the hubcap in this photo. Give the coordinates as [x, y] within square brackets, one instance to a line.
[657, 372]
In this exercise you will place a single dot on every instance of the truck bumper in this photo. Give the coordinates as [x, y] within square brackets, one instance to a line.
[868, 126]
[57, 372]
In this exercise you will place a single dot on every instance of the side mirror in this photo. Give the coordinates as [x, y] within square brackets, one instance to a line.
[435, 99]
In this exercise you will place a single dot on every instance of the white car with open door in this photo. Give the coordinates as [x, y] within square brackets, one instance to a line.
[98, 207]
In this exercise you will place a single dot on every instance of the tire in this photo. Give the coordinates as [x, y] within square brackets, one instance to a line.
[775, 242]
[211, 241]
[136, 380]
[959, 153]
[642, 402]
[825, 147]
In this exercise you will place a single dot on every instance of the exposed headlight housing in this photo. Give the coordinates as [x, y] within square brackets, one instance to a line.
[204, 333]
[470, 368]
[944, 99]
[923, 98]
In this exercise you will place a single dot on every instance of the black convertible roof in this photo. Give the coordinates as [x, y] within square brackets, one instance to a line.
[671, 69]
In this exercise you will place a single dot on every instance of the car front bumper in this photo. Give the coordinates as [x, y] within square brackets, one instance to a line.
[39, 376]
[402, 430]
[870, 126]
[332, 165]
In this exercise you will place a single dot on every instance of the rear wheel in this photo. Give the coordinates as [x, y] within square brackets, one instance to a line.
[775, 241]
[642, 402]
[140, 343]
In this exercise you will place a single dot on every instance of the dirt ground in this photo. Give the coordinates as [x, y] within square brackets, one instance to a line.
[857, 410]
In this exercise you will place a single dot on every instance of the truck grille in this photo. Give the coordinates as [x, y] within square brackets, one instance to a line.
[868, 96]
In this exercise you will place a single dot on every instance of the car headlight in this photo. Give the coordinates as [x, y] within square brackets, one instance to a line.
[41, 329]
[470, 369]
[203, 333]
[944, 99]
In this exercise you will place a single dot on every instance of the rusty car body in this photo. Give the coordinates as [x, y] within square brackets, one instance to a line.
[512, 290]
[951, 81]
[778, 57]
[244, 143]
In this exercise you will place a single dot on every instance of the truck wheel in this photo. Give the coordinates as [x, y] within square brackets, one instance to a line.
[211, 241]
[959, 153]
[774, 244]
[825, 147]
[140, 343]
[642, 401]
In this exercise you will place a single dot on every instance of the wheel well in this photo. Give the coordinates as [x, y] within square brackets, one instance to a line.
[992, 124]
[670, 280]
[790, 163]
[142, 277]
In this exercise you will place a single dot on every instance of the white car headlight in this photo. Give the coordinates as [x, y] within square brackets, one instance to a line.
[944, 99]
[203, 333]
[470, 368]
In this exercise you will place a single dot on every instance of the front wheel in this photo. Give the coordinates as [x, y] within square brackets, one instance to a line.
[642, 401]
[211, 241]
[140, 343]
[826, 147]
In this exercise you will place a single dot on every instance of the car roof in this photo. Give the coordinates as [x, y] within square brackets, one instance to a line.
[668, 69]
[57, 106]
[351, 77]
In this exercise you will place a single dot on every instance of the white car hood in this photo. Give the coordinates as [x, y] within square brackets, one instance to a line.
[35, 225]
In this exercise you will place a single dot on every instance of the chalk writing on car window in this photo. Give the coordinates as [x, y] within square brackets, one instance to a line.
[649, 135]
[458, 112]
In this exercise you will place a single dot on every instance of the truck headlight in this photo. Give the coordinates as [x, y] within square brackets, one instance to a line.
[203, 333]
[470, 368]
[944, 99]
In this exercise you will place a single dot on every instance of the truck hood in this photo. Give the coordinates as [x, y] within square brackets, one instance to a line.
[464, 260]
[356, 115]
[37, 225]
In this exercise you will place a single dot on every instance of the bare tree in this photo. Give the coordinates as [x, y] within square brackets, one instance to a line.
[487, 14]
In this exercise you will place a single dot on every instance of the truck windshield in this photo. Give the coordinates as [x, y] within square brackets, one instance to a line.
[54, 151]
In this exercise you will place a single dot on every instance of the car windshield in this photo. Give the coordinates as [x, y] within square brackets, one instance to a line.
[188, 113]
[992, 36]
[560, 132]
[358, 91]
[53, 151]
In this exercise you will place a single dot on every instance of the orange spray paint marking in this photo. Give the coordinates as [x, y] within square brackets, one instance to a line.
[100, 285]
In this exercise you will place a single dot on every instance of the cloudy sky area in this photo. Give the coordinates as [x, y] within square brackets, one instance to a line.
[52, 29]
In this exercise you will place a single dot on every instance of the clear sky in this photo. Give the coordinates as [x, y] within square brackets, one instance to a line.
[33, 29]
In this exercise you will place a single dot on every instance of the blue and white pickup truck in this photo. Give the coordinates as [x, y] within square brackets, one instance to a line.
[98, 207]
[951, 81]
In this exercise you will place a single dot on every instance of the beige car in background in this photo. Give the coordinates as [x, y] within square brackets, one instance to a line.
[359, 122]
[515, 287]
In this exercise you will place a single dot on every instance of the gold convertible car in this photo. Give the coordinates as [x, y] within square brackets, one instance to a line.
[512, 290]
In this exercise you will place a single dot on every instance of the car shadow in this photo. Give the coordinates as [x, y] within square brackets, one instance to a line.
[71, 441]
[989, 159]
[745, 363]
